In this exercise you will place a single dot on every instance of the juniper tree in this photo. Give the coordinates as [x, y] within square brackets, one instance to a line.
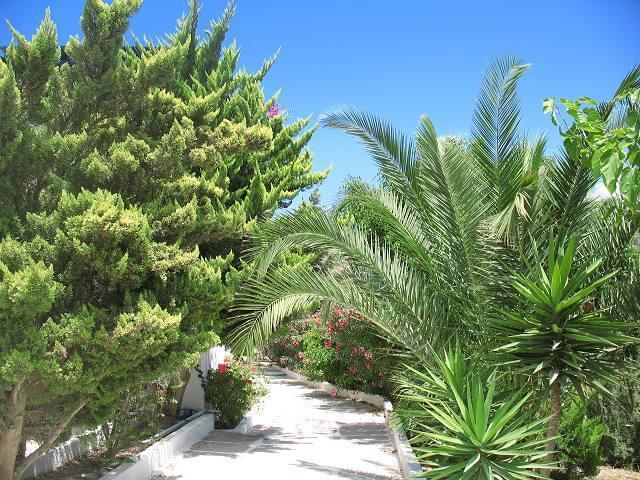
[129, 175]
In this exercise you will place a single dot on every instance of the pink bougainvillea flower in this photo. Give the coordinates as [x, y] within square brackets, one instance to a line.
[275, 110]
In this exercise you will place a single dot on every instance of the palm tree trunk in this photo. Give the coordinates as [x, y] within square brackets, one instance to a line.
[552, 431]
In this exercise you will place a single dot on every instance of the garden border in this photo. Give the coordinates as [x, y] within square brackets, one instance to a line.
[195, 428]
[407, 461]
[63, 453]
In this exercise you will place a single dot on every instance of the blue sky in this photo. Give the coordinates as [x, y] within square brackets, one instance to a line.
[400, 59]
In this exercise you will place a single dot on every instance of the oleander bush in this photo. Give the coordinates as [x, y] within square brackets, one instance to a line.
[342, 349]
[234, 391]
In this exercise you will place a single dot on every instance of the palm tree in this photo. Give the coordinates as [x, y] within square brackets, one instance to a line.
[447, 227]
[455, 218]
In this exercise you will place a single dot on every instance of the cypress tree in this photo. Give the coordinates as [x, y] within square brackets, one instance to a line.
[129, 175]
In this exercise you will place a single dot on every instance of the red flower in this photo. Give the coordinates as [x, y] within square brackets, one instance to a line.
[368, 356]
[328, 344]
[334, 393]
[367, 366]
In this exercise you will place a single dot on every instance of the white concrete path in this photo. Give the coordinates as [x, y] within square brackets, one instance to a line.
[298, 433]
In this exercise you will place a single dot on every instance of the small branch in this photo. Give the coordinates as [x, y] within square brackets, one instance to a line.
[26, 462]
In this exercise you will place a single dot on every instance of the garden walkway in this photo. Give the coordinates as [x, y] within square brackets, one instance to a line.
[298, 433]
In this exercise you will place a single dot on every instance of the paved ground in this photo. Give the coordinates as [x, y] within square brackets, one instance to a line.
[299, 433]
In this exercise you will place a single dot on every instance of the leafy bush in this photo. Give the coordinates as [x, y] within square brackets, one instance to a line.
[579, 440]
[344, 350]
[234, 391]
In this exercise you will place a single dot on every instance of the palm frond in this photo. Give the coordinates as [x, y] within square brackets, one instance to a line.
[392, 150]
[495, 139]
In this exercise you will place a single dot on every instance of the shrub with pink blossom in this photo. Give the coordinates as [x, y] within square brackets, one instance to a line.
[344, 350]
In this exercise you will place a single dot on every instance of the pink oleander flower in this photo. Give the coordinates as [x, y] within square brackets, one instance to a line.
[328, 344]
[352, 369]
[334, 393]
[368, 357]
[367, 366]
[361, 349]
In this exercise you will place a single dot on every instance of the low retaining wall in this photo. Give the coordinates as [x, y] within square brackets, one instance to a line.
[63, 453]
[407, 461]
[149, 460]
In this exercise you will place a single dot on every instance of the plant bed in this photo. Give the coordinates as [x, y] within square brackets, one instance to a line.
[94, 464]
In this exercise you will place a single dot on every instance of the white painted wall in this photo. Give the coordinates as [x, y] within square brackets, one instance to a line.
[194, 393]
[65, 452]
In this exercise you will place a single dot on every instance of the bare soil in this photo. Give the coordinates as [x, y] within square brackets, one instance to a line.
[607, 473]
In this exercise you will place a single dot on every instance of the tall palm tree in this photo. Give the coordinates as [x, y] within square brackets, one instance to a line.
[457, 217]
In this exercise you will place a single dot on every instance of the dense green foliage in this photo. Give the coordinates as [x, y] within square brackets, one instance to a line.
[233, 392]
[129, 176]
[444, 236]
[621, 418]
[342, 349]
[579, 439]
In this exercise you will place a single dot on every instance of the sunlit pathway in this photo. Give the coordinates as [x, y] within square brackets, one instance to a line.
[299, 433]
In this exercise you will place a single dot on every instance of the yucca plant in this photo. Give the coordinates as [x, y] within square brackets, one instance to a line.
[557, 332]
[463, 429]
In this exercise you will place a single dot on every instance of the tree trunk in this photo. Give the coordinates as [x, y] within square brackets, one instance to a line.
[555, 407]
[11, 433]
[21, 465]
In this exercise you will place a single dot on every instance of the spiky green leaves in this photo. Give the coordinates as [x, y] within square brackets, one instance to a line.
[558, 332]
[464, 429]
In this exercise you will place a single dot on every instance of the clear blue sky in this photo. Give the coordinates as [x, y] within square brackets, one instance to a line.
[400, 59]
